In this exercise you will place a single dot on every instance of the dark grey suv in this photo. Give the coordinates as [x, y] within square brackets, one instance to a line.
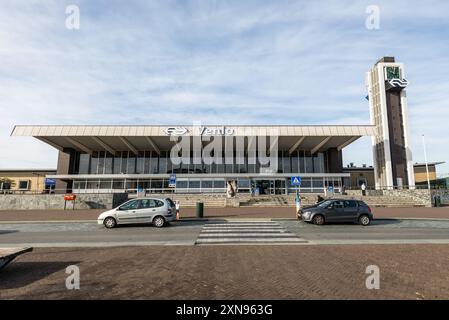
[337, 210]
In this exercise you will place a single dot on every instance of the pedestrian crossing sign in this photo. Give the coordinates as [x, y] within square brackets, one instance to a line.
[296, 181]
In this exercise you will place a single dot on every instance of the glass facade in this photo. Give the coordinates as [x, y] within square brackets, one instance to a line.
[147, 162]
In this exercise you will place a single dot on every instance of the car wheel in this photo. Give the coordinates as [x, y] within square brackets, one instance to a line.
[364, 220]
[318, 220]
[109, 222]
[158, 222]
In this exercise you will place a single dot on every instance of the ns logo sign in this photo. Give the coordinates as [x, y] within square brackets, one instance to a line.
[175, 131]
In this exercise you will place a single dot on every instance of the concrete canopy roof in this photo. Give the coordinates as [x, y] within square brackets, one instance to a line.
[92, 138]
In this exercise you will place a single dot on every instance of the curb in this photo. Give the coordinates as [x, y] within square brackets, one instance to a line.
[213, 219]
[47, 221]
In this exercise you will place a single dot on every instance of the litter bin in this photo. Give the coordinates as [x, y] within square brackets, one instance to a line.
[199, 209]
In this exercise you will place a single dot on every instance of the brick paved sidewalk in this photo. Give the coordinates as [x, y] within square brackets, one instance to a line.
[231, 272]
[280, 212]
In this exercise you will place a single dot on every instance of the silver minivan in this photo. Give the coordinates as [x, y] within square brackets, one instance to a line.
[142, 210]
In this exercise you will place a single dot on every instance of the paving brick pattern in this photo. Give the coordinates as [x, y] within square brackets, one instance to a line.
[232, 272]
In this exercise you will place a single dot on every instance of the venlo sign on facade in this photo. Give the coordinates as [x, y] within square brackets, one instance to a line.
[201, 131]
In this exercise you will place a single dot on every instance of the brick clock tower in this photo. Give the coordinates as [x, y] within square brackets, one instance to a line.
[393, 165]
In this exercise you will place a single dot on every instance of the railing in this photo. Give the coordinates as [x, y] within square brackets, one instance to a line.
[279, 191]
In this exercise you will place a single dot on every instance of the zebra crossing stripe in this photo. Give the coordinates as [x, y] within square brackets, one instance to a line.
[247, 232]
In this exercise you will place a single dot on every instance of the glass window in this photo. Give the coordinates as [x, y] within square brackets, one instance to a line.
[131, 166]
[150, 203]
[317, 183]
[124, 162]
[325, 204]
[350, 204]
[302, 163]
[286, 166]
[194, 184]
[131, 205]
[306, 183]
[147, 203]
[94, 163]
[101, 156]
[243, 183]
[318, 163]
[108, 163]
[219, 184]
[79, 185]
[156, 184]
[181, 184]
[158, 203]
[84, 163]
[140, 162]
[118, 184]
[207, 168]
[105, 184]
[24, 184]
[309, 164]
[92, 184]
[206, 184]
[118, 163]
[220, 168]
[163, 162]
[147, 164]
[251, 168]
[295, 162]
[154, 165]
[338, 204]
[131, 185]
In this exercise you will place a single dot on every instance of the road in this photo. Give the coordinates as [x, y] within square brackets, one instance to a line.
[73, 234]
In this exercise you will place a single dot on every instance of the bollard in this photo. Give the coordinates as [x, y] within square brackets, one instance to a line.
[199, 209]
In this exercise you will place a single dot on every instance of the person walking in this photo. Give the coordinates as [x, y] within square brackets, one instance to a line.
[177, 205]
[363, 187]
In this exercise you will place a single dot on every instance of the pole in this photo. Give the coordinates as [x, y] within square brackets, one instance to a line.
[298, 203]
[425, 160]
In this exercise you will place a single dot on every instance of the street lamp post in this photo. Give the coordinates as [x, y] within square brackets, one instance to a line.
[425, 160]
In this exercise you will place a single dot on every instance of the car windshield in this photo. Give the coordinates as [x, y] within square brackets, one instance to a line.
[324, 204]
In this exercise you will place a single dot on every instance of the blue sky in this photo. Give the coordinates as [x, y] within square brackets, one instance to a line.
[230, 62]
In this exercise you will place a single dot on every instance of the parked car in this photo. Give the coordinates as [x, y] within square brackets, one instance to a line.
[143, 210]
[337, 210]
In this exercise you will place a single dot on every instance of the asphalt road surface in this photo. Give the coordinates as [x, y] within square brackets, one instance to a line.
[74, 234]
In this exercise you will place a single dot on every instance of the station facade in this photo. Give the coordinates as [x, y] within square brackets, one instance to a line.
[128, 158]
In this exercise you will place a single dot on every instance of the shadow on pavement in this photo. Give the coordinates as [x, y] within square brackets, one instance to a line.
[172, 224]
[19, 274]
[377, 222]
[8, 231]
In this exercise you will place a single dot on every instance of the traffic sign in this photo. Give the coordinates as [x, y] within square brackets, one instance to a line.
[172, 181]
[295, 181]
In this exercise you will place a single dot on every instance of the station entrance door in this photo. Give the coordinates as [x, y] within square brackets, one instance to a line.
[270, 186]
